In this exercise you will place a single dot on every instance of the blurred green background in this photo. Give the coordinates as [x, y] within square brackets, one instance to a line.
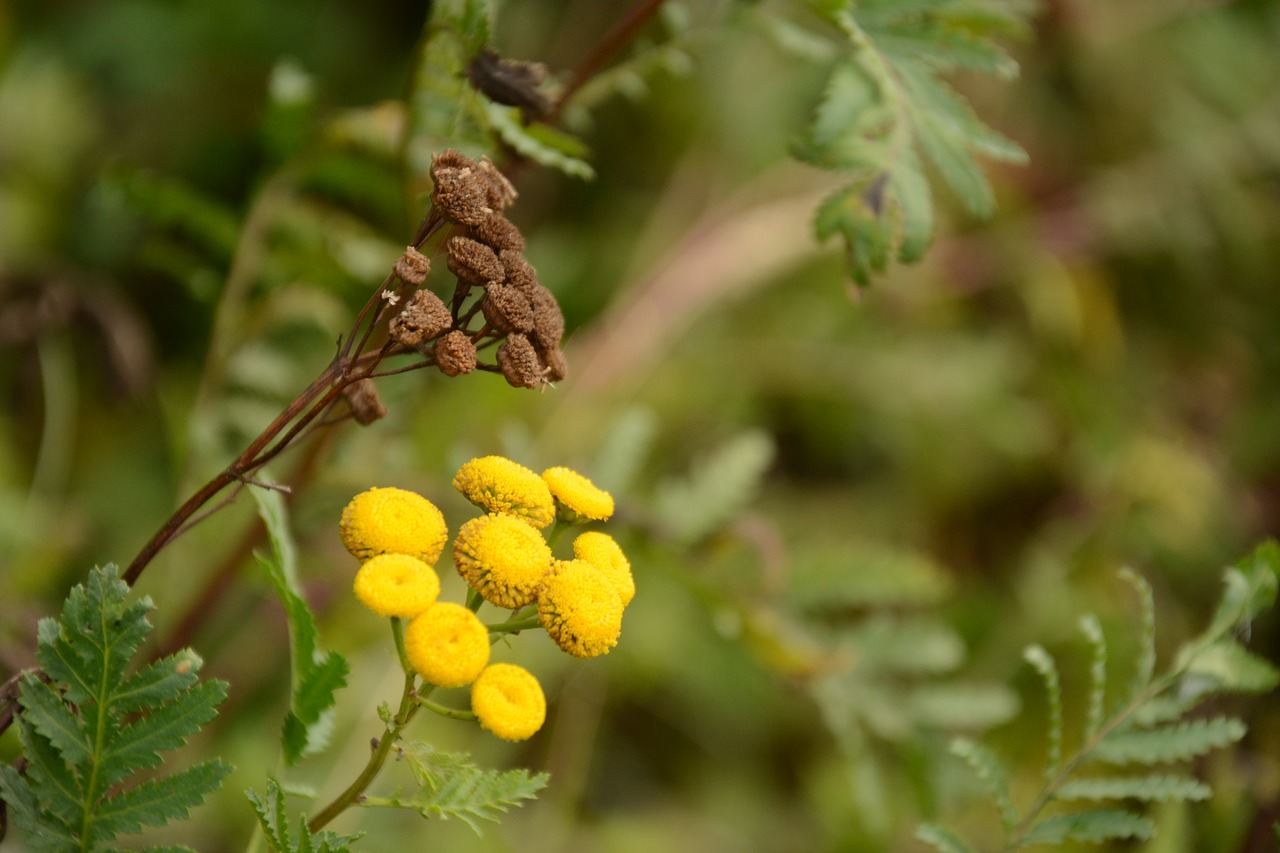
[847, 512]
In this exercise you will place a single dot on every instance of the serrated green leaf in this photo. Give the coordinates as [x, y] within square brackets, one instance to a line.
[157, 682]
[992, 773]
[943, 840]
[1163, 709]
[945, 48]
[716, 488]
[158, 801]
[1092, 826]
[25, 811]
[1250, 590]
[454, 787]
[1048, 669]
[1147, 635]
[541, 143]
[138, 746]
[961, 706]
[270, 811]
[56, 786]
[1151, 788]
[48, 713]
[1092, 630]
[316, 676]
[1231, 668]
[1169, 743]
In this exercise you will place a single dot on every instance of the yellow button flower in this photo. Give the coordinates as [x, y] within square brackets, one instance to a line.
[508, 701]
[496, 484]
[503, 558]
[580, 609]
[393, 521]
[578, 497]
[601, 551]
[447, 644]
[397, 585]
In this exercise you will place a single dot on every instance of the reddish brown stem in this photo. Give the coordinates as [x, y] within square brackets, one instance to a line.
[610, 44]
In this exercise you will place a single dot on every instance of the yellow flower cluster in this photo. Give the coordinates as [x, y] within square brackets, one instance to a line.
[507, 561]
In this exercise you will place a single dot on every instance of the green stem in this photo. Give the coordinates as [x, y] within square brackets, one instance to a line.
[557, 530]
[355, 791]
[512, 625]
[445, 711]
[397, 634]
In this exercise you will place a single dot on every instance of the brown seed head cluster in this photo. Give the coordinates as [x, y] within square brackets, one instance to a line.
[494, 281]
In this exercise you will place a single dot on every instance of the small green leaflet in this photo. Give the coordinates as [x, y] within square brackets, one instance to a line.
[317, 675]
[92, 725]
[451, 786]
[275, 826]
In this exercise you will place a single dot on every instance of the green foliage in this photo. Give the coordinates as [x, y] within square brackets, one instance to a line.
[452, 786]
[317, 675]
[92, 726]
[716, 488]
[275, 826]
[1147, 730]
[886, 111]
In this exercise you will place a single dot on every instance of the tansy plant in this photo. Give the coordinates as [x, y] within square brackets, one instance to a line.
[506, 557]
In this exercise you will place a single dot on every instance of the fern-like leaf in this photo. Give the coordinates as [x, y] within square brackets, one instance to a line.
[715, 489]
[1044, 664]
[80, 752]
[943, 840]
[1092, 630]
[317, 675]
[273, 819]
[1169, 743]
[886, 109]
[451, 786]
[992, 773]
[1152, 788]
[1092, 826]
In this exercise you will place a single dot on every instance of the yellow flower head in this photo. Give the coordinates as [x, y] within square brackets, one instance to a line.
[447, 644]
[509, 701]
[601, 551]
[393, 521]
[578, 497]
[397, 585]
[580, 609]
[502, 558]
[496, 484]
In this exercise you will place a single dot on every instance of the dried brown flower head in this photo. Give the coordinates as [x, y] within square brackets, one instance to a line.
[555, 365]
[548, 322]
[451, 158]
[362, 397]
[462, 195]
[413, 267]
[507, 309]
[473, 262]
[455, 353]
[500, 233]
[518, 361]
[520, 273]
[421, 320]
[502, 194]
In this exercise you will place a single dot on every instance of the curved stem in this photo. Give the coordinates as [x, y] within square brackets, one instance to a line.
[444, 711]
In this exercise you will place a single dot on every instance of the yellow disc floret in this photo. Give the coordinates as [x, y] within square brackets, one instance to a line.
[397, 585]
[447, 644]
[601, 551]
[502, 558]
[578, 497]
[496, 484]
[393, 521]
[580, 609]
[508, 701]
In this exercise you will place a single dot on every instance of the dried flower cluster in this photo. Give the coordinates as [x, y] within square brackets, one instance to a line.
[485, 254]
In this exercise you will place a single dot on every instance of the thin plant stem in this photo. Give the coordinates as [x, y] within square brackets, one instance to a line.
[445, 711]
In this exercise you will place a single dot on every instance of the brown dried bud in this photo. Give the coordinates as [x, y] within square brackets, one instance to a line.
[421, 320]
[502, 194]
[461, 195]
[472, 262]
[520, 273]
[507, 309]
[451, 158]
[413, 267]
[455, 353]
[548, 322]
[362, 397]
[555, 365]
[519, 362]
[500, 233]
